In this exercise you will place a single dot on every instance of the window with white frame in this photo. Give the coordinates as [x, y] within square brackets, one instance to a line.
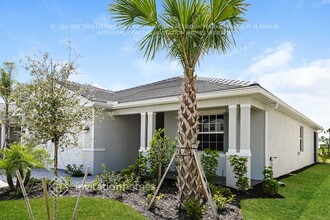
[211, 132]
[301, 138]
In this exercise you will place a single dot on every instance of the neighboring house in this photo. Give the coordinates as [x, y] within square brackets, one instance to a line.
[236, 118]
[15, 129]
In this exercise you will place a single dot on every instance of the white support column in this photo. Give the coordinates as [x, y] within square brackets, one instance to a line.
[232, 144]
[151, 126]
[245, 129]
[143, 129]
[232, 129]
[3, 135]
[245, 138]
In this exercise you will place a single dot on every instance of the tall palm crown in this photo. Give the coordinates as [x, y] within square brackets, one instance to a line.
[186, 30]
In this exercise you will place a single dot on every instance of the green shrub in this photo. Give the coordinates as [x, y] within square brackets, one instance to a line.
[74, 170]
[226, 192]
[221, 201]
[148, 188]
[240, 170]
[96, 185]
[157, 198]
[65, 185]
[34, 181]
[194, 209]
[221, 197]
[210, 164]
[126, 180]
[108, 178]
[324, 153]
[159, 154]
[270, 185]
[141, 166]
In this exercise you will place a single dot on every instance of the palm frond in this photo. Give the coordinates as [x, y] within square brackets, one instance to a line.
[154, 41]
[134, 12]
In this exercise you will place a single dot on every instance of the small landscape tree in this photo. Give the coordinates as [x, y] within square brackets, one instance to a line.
[324, 150]
[210, 164]
[240, 171]
[52, 111]
[160, 153]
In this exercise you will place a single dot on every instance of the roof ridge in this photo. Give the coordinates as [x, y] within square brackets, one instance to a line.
[88, 86]
[148, 84]
[225, 81]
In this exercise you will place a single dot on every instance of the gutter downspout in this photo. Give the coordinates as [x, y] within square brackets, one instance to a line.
[268, 161]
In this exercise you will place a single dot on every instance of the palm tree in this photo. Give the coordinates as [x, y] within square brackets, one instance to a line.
[186, 30]
[23, 159]
[6, 90]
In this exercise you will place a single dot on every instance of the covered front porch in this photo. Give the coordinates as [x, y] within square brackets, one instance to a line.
[237, 129]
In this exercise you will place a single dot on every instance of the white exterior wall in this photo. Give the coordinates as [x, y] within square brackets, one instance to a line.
[73, 155]
[171, 124]
[116, 142]
[283, 143]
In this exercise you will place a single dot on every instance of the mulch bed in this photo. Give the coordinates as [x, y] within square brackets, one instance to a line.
[166, 208]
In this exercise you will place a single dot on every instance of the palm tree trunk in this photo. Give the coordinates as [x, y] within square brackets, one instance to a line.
[188, 181]
[56, 178]
[10, 181]
[27, 177]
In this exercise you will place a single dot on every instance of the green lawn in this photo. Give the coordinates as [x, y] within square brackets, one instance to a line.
[307, 196]
[90, 208]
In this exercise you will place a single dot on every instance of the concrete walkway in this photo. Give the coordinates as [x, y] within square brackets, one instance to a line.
[39, 173]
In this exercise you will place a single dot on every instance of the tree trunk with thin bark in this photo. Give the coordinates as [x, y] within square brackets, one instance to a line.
[55, 178]
[188, 178]
[7, 125]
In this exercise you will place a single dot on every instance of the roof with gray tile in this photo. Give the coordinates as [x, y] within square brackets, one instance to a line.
[162, 89]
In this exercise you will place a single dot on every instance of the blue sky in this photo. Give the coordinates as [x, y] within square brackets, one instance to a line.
[284, 46]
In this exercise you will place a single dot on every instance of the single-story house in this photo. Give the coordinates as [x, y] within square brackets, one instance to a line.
[236, 118]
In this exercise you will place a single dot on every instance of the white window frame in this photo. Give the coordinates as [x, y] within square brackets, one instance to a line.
[301, 138]
[216, 130]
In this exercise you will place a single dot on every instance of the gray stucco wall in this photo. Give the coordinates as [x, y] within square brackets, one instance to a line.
[120, 139]
[257, 144]
[171, 121]
[284, 143]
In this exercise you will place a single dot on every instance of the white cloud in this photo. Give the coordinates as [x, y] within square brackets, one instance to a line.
[323, 2]
[273, 58]
[306, 87]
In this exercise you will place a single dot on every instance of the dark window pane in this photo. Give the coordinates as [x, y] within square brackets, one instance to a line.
[213, 147]
[212, 127]
[213, 137]
[200, 137]
[220, 146]
[205, 145]
[213, 118]
[220, 137]
[206, 137]
[205, 127]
